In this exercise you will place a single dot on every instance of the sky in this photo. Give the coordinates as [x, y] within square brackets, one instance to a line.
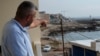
[71, 8]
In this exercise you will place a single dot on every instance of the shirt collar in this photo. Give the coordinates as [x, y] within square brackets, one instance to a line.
[25, 29]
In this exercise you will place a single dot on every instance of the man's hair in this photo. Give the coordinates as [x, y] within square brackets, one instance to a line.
[24, 8]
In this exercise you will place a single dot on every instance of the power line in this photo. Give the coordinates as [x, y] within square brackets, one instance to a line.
[84, 36]
[71, 37]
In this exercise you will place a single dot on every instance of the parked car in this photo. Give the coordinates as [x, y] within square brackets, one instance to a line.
[46, 48]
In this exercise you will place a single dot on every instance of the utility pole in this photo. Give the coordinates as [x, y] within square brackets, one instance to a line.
[62, 33]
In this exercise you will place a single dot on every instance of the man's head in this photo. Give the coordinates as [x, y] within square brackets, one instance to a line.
[26, 13]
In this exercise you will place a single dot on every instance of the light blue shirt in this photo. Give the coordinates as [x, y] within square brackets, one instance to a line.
[16, 40]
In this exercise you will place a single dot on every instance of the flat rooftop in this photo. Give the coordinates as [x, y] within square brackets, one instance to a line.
[83, 42]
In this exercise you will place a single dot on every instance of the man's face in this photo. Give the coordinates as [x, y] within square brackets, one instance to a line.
[31, 17]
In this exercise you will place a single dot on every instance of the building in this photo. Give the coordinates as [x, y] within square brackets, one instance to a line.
[7, 12]
[85, 48]
[44, 15]
[53, 18]
[56, 19]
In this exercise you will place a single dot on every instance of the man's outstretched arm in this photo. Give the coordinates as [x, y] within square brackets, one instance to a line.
[38, 22]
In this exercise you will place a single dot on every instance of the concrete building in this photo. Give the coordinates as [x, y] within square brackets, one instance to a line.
[7, 11]
[56, 18]
[85, 48]
[44, 15]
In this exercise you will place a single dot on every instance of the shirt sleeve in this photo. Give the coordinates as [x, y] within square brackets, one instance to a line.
[16, 44]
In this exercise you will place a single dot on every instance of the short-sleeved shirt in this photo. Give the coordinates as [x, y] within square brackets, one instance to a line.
[16, 40]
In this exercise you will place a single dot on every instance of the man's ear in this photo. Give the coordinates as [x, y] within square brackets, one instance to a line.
[28, 17]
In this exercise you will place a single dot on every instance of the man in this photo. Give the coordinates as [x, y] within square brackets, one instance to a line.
[15, 39]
